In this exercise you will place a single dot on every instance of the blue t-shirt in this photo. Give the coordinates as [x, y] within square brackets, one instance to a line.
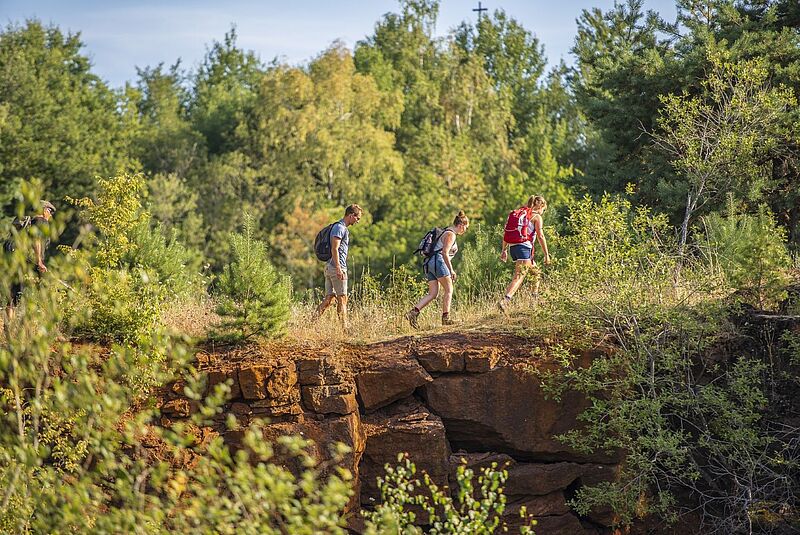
[339, 230]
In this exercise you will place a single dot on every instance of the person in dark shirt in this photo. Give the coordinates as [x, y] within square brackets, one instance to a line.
[39, 251]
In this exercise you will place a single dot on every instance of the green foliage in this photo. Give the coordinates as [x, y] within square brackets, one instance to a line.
[254, 296]
[475, 509]
[689, 424]
[119, 286]
[118, 210]
[751, 250]
[481, 275]
[719, 141]
[60, 123]
[611, 258]
[174, 267]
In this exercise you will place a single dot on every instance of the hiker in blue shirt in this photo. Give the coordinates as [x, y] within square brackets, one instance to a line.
[336, 267]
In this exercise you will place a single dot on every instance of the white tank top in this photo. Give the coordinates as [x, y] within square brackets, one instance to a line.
[440, 244]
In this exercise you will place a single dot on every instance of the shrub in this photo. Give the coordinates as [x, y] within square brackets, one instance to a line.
[751, 251]
[475, 510]
[480, 271]
[690, 426]
[123, 301]
[121, 305]
[254, 296]
[175, 267]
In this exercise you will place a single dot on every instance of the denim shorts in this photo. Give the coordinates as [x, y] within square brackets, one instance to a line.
[435, 268]
[520, 252]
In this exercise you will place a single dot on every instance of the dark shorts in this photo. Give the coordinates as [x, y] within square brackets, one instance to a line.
[435, 268]
[16, 293]
[520, 252]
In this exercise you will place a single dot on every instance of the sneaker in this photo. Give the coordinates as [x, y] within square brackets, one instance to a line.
[503, 306]
[448, 321]
[412, 316]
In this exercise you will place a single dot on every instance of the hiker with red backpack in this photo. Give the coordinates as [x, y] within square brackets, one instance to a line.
[438, 247]
[331, 246]
[523, 226]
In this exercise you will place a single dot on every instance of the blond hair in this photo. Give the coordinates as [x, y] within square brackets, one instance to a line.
[536, 200]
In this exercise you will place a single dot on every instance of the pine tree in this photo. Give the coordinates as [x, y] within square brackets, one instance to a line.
[254, 296]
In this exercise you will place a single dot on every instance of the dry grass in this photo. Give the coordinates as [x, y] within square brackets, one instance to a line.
[191, 317]
[369, 322]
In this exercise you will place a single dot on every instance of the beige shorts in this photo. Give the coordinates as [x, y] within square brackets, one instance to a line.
[333, 284]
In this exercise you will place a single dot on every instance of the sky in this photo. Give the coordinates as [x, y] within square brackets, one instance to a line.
[121, 35]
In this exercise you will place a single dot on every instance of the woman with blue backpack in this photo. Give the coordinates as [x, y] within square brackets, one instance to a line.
[523, 226]
[439, 247]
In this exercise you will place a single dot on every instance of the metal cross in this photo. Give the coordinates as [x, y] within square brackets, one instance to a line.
[480, 10]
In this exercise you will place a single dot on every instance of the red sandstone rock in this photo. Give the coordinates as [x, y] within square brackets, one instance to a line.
[252, 381]
[339, 399]
[441, 361]
[538, 506]
[177, 408]
[325, 434]
[218, 376]
[282, 381]
[240, 409]
[320, 371]
[387, 381]
[407, 427]
[505, 410]
[480, 361]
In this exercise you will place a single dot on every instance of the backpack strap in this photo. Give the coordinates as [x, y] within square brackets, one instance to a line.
[446, 230]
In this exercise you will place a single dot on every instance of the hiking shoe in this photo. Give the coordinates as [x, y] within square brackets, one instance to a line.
[412, 316]
[503, 306]
[448, 321]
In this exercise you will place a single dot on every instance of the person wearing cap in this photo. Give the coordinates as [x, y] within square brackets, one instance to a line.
[40, 245]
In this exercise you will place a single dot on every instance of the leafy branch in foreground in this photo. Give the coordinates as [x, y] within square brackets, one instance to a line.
[475, 510]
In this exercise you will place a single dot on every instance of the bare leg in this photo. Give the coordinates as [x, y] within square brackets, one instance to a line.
[413, 314]
[341, 310]
[322, 307]
[433, 291]
[520, 270]
[447, 293]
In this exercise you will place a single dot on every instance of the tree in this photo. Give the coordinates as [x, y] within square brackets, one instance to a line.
[166, 141]
[623, 65]
[721, 141]
[224, 87]
[61, 123]
[255, 297]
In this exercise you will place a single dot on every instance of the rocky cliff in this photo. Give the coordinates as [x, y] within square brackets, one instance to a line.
[445, 399]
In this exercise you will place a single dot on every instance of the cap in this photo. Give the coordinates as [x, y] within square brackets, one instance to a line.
[49, 206]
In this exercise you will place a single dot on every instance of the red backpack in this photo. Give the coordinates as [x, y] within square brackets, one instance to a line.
[517, 230]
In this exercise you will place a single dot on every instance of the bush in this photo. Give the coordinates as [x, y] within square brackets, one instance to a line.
[122, 301]
[481, 274]
[689, 416]
[175, 267]
[254, 296]
[751, 251]
[476, 510]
